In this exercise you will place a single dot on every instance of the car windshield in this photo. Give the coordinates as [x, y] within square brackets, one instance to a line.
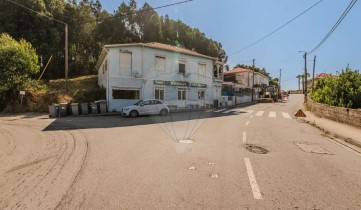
[138, 103]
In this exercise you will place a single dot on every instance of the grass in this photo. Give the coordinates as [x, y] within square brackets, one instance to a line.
[82, 83]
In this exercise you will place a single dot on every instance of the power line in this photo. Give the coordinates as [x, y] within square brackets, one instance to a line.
[140, 11]
[347, 10]
[41, 14]
[279, 28]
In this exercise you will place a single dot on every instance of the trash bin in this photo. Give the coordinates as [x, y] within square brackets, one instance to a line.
[93, 108]
[54, 110]
[63, 109]
[75, 108]
[102, 106]
[84, 108]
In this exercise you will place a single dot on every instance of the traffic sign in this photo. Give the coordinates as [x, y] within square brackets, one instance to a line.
[300, 113]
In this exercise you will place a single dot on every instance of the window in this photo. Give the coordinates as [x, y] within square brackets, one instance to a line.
[200, 94]
[125, 60]
[182, 66]
[181, 94]
[125, 94]
[159, 63]
[202, 69]
[159, 93]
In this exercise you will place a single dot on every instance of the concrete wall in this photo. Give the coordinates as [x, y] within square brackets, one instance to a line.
[340, 114]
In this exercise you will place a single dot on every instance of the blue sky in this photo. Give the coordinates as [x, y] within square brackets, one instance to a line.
[238, 23]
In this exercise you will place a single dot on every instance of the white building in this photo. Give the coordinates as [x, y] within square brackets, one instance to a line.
[242, 82]
[181, 78]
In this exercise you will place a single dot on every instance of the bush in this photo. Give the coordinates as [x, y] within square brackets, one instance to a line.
[341, 91]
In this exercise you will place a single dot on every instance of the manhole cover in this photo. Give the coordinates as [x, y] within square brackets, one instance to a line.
[186, 141]
[256, 149]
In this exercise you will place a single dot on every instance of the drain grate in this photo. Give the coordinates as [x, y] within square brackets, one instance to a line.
[256, 149]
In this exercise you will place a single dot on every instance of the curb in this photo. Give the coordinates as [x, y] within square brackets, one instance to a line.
[335, 135]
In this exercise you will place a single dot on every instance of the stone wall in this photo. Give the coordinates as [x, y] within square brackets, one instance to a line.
[340, 114]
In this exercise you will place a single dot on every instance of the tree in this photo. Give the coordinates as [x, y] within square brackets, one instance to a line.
[18, 63]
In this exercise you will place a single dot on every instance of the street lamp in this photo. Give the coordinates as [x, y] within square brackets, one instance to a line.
[305, 83]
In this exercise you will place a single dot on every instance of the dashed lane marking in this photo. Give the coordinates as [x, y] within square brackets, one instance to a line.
[252, 180]
[244, 137]
[247, 123]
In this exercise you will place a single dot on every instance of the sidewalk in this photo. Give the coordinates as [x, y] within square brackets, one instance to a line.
[345, 132]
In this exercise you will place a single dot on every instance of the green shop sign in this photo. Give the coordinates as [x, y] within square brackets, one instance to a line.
[180, 83]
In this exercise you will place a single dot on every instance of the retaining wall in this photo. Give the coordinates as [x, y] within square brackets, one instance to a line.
[339, 114]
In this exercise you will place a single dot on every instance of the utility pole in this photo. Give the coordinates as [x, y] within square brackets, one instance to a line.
[66, 57]
[253, 60]
[305, 78]
[280, 80]
[313, 74]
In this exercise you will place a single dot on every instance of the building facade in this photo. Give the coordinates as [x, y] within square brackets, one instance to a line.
[181, 78]
[238, 83]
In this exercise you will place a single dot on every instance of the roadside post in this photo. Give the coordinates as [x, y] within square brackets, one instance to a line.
[22, 94]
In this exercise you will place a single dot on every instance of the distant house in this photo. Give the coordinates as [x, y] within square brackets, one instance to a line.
[317, 77]
[180, 77]
[242, 81]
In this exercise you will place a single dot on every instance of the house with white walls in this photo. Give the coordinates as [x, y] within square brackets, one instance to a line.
[180, 77]
[238, 83]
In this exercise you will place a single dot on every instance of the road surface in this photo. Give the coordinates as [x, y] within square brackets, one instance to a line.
[122, 163]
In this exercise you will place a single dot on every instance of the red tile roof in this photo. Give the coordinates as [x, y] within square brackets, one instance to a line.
[323, 75]
[237, 70]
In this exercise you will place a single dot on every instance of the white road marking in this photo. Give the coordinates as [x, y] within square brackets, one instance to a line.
[250, 111]
[221, 110]
[272, 114]
[244, 137]
[247, 123]
[252, 180]
[210, 110]
[286, 115]
[228, 111]
[259, 113]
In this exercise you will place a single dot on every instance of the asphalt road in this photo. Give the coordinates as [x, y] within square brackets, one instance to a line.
[122, 163]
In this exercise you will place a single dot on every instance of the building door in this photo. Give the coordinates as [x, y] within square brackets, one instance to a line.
[182, 97]
[201, 97]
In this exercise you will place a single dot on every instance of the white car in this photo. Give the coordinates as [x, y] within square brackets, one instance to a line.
[146, 107]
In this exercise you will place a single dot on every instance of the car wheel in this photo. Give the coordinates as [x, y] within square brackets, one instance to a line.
[163, 112]
[133, 114]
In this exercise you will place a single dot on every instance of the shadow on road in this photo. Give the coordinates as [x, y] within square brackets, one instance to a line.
[74, 123]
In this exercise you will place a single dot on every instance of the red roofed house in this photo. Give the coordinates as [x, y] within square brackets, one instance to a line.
[242, 81]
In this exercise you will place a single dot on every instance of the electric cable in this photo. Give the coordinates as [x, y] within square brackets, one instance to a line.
[347, 10]
[279, 28]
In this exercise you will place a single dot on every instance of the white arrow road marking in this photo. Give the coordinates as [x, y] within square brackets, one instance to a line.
[244, 136]
[286, 115]
[272, 114]
[252, 180]
[259, 113]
